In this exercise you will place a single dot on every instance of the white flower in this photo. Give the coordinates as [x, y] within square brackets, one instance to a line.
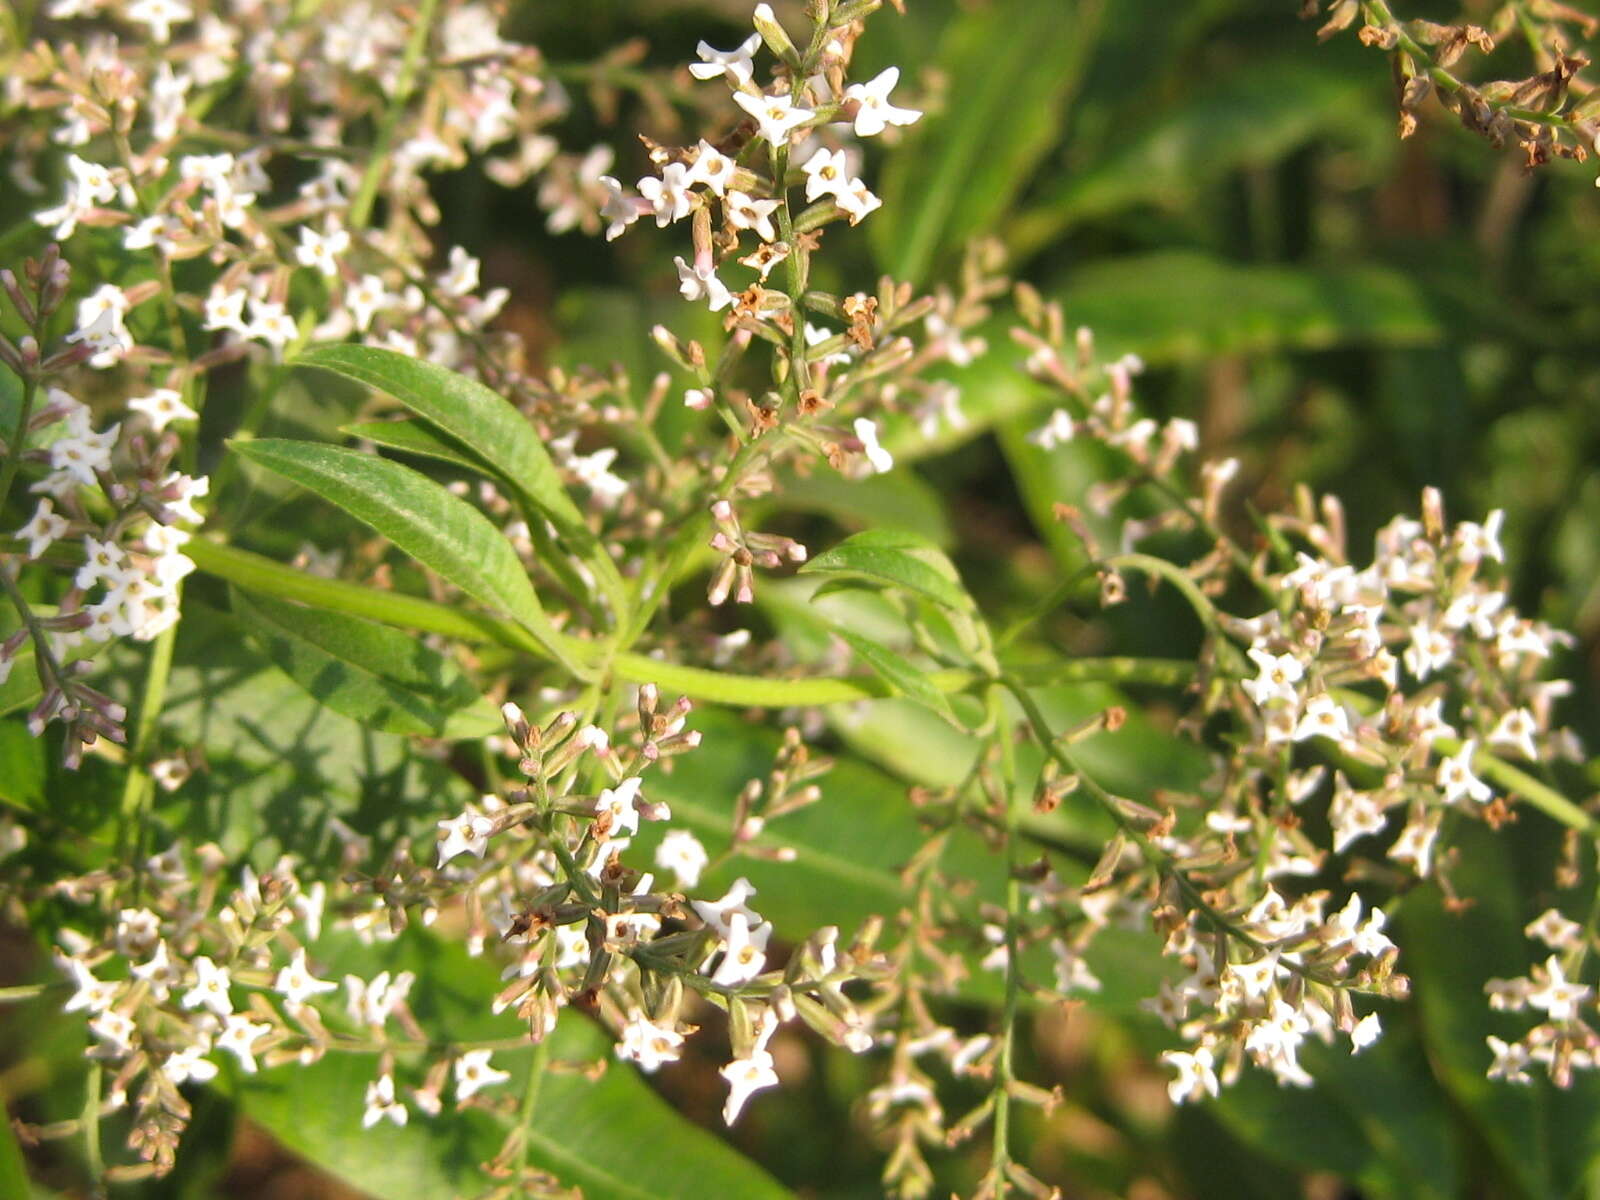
[648, 1043]
[163, 406]
[473, 1073]
[270, 323]
[1324, 717]
[296, 984]
[857, 201]
[381, 1104]
[699, 399]
[1415, 843]
[210, 988]
[718, 913]
[239, 1034]
[777, 116]
[1195, 1077]
[1510, 1059]
[371, 1003]
[1555, 930]
[669, 196]
[746, 1076]
[736, 64]
[100, 326]
[90, 994]
[1059, 428]
[365, 299]
[1456, 780]
[681, 853]
[619, 208]
[159, 15]
[1476, 542]
[712, 167]
[462, 275]
[827, 174]
[746, 951]
[1514, 731]
[159, 971]
[866, 430]
[1557, 997]
[1278, 675]
[1431, 649]
[225, 310]
[594, 471]
[1365, 1033]
[701, 281]
[616, 805]
[190, 1065]
[45, 527]
[466, 834]
[322, 250]
[874, 111]
[114, 1031]
[746, 212]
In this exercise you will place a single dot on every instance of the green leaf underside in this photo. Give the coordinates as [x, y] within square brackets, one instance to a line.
[411, 436]
[381, 677]
[901, 676]
[441, 531]
[894, 558]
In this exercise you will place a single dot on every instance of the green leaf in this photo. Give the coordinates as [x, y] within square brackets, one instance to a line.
[1181, 306]
[1012, 67]
[902, 678]
[411, 436]
[1244, 118]
[13, 1172]
[22, 765]
[897, 559]
[380, 677]
[442, 532]
[898, 500]
[588, 1133]
[483, 422]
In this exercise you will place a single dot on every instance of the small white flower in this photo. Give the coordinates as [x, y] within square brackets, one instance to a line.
[617, 805]
[746, 212]
[462, 275]
[647, 1043]
[1558, 997]
[160, 16]
[701, 281]
[1555, 930]
[1058, 429]
[737, 65]
[225, 310]
[473, 1073]
[1278, 673]
[466, 834]
[1366, 1032]
[1510, 1061]
[365, 299]
[1195, 1077]
[718, 913]
[746, 1077]
[1515, 731]
[270, 323]
[1324, 717]
[867, 431]
[712, 167]
[321, 250]
[296, 984]
[669, 196]
[619, 208]
[1456, 779]
[238, 1035]
[45, 527]
[210, 988]
[827, 174]
[163, 406]
[745, 952]
[381, 1104]
[874, 111]
[777, 116]
[681, 853]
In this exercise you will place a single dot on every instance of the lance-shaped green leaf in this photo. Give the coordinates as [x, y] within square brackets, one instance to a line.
[903, 678]
[442, 532]
[484, 423]
[896, 559]
[412, 436]
[375, 675]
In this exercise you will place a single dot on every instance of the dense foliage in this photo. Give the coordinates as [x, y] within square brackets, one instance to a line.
[995, 599]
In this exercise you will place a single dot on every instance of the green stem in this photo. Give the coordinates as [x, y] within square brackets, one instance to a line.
[372, 177]
[1005, 1066]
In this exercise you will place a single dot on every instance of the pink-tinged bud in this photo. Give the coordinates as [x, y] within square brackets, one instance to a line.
[797, 552]
[721, 583]
[722, 543]
[692, 738]
[722, 510]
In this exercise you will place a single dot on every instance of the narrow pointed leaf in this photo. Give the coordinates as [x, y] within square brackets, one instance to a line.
[385, 679]
[412, 436]
[442, 532]
[894, 558]
[903, 678]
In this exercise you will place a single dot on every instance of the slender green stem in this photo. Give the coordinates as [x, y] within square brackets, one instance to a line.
[1005, 1065]
[372, 177]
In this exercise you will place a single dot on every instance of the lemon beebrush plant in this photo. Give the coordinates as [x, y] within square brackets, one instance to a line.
[264, 213]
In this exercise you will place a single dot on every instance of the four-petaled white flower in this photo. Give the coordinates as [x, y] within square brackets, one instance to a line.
[746, 212]
[746, 1077]
[873, 111]
[296, 984]
[466, 834]
[701, 281]
[210, 988]
[745, 952]
[381, 1104]
[736, 64]
[1366, 1031]
[45, 527]
[474, 1073]
[163, 406]
[615, 812]
[712, 167]
[669, 196]
[1457, 780]
[1324, 717]
[681, 853]
[1196, 1076]
[777, 116]
[1278, 673]
[238, 1035]
[647, 1043]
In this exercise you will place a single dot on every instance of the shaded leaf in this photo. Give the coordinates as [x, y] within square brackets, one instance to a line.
[378, 676]
[894, 558]
[901, 676]
[412, 436]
